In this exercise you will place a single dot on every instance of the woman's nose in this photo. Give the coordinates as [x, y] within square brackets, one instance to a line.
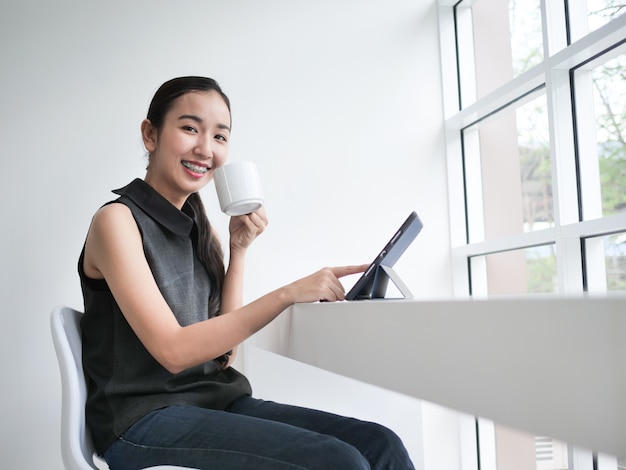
[204, 148]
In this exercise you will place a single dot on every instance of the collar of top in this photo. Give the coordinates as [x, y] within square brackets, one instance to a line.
[179, 222]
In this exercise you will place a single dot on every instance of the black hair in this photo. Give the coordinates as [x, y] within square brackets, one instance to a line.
[172, 89]
[208, 246]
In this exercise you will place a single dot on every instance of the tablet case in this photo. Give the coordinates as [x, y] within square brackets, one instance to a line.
[374, 281]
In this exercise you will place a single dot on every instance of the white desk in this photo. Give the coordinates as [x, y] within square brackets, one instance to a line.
[553, 367]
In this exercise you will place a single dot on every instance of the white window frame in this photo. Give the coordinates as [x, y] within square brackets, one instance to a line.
[553, 76]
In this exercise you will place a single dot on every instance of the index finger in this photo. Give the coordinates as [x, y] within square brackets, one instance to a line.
[341, 271]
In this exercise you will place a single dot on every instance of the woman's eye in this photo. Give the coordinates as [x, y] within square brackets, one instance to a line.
[221, 137]
[190, 129]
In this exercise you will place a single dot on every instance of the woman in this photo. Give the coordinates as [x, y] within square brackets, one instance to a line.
[163, 318]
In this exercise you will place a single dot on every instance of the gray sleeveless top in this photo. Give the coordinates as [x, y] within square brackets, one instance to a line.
[124, 382]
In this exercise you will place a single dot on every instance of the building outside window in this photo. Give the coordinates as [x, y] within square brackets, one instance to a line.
[535, 106]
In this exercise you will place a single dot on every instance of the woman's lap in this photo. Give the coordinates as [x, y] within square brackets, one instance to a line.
[380, 446]
[256, 434]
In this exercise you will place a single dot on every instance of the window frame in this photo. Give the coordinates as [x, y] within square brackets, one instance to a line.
[555, 77]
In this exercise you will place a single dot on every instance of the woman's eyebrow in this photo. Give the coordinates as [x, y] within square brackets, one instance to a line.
[193, 117]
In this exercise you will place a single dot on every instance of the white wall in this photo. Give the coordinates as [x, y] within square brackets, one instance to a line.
[339, 103]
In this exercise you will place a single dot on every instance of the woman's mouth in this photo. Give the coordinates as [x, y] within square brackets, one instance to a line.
[195, 168]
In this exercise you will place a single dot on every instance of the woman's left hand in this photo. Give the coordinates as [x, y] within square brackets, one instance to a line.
[245, 228]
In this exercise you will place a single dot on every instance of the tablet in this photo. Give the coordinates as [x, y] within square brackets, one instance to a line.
[373, 283]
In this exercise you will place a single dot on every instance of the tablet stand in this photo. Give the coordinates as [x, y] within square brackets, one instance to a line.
[385, 273]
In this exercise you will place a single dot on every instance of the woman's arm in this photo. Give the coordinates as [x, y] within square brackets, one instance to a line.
[243, 231]
[114, 252]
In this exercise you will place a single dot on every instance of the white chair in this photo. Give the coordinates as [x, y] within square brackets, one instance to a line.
[76, 446]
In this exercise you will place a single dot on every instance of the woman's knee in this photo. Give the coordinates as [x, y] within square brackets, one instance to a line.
[384, 448]
[386, 436]
[334, 454]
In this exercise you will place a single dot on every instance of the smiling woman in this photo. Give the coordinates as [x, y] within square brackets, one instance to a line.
[188, 145]
[163, 318]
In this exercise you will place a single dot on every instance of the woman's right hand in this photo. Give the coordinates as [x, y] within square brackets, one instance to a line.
[323, 285]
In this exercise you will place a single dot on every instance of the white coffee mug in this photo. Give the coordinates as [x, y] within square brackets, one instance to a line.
[238, 188]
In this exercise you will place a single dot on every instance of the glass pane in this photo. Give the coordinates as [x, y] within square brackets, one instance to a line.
[609, 97]
[528, 271]
[606, 263]
[600, 12]
[526, 35]
[509, 154]
[505, 448]
[497, 41]
[588, 15]
[601, 115]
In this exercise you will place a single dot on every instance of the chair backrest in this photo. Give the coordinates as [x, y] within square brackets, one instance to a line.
[76, 445]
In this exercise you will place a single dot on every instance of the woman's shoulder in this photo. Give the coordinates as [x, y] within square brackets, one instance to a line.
[113, 217]
[114, 211]
[112, 231]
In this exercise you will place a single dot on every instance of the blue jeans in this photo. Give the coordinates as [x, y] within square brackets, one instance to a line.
[258, 435]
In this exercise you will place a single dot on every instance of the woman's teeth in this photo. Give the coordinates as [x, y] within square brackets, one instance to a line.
[195, 168]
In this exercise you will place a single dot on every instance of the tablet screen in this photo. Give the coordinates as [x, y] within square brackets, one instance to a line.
[373, 283]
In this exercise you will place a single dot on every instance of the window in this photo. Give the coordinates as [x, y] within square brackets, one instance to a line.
[507, 155]
[528, 271]
[606, 270]
[600, 102]
[535, 106]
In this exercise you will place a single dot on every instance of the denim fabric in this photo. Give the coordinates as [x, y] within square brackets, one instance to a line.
[258, 435]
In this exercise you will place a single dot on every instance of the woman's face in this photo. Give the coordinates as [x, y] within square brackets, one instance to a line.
[190, 146]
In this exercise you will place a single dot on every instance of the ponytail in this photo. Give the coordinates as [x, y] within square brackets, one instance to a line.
[212, 257]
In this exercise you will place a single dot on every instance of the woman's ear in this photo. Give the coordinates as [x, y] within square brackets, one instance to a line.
[149, 135]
